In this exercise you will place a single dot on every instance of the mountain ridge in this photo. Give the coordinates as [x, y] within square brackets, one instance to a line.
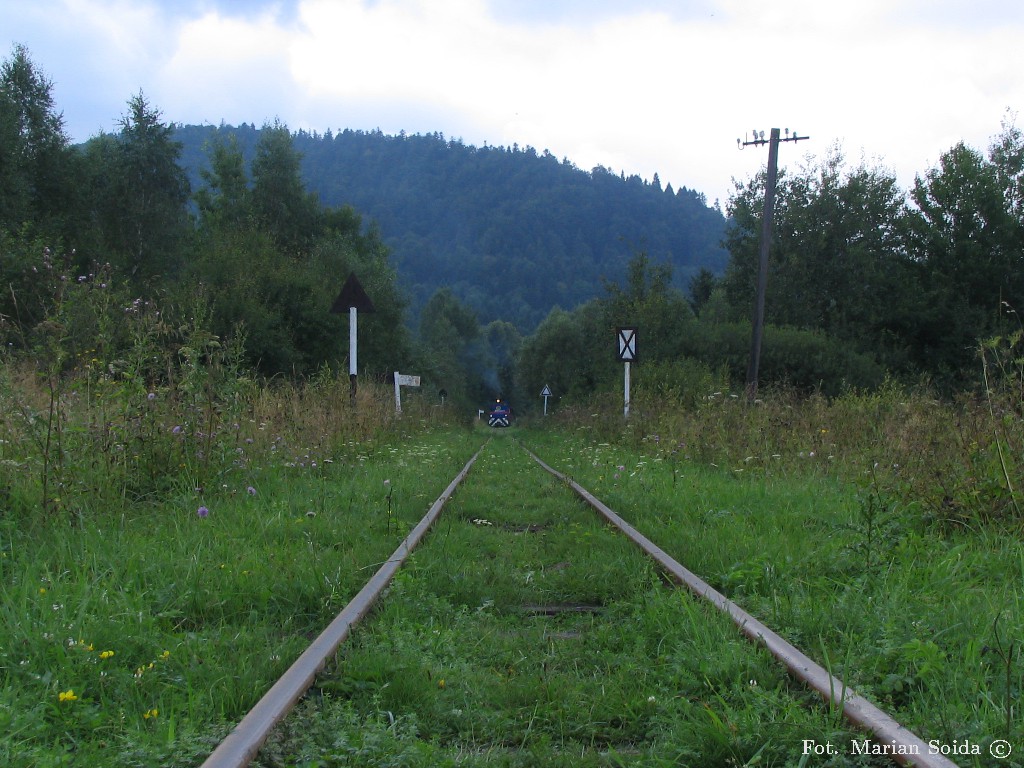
[512, 231]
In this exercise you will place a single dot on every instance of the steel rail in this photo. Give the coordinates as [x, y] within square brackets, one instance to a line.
[244, 742]
[832, 689]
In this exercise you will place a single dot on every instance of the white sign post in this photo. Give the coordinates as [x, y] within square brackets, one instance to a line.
[546, 393]
[353, 369]
[626, 338]
[403, 381]
[354, 299]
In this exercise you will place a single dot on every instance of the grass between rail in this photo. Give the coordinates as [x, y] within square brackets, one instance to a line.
[525, 632]
[142, 615]
[136, 637]
[925, 624]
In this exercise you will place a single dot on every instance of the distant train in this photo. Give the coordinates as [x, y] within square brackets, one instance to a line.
[500, 414]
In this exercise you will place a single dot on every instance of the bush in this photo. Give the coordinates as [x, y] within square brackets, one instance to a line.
[809, 361]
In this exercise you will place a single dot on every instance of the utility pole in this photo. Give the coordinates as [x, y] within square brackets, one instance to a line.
[766, 237]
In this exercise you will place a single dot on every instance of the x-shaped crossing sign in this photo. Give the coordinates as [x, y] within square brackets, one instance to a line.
[627, 344]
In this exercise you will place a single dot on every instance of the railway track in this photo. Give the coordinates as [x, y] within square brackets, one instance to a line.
[531, 630]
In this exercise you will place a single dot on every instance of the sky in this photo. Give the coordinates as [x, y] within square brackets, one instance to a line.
[642, 87]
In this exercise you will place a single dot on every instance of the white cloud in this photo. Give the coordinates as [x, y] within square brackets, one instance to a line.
[230, 69]
[647, 87]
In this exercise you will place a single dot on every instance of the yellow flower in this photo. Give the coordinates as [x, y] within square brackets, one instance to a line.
[150, 713]
[68, 695]
[165, 655]
[42, 590]
[440, 683]
[106, 654]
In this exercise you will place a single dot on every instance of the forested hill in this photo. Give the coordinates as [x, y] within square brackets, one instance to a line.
[512, 231]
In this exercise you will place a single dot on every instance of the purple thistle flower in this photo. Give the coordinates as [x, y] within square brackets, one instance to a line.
[203, 512]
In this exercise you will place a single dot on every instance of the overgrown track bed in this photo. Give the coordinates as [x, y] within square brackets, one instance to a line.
[526, 632]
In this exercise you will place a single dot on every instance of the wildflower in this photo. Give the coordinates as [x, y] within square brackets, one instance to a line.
[441, 684]
[165, 655]
[68, 695]
[176, 430]
[251, 491]
[387, 483]
[152, 713]
[106, 654]
[203, 512]
[151, 396]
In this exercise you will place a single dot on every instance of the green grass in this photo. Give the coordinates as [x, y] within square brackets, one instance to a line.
[925, 624]
[525, 632]
[201, 614]
[920, 610]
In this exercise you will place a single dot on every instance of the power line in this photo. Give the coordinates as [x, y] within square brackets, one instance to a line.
[766, 236]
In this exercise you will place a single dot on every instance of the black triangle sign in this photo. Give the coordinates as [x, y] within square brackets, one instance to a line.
[352, 295]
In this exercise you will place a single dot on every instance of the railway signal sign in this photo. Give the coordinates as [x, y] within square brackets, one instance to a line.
[627, 344]
[352, 299]
[626, 338]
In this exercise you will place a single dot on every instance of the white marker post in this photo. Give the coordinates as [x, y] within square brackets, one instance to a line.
[626, 338]
[403, 381]
[353, 368]
[352, 298]
[546, 393]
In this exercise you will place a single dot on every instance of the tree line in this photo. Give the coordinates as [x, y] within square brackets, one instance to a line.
[511, 230]
[119, 213]
[866, 280]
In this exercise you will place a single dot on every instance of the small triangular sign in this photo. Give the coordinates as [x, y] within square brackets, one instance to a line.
[352, 295]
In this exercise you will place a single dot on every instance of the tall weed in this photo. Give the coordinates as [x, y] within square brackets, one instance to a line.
[111, 400]
[953, 463]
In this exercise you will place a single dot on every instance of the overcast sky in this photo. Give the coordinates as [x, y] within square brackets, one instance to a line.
[640, 86]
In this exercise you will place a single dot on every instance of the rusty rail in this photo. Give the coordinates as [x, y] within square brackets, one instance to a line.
[833, 690]
[242, 744]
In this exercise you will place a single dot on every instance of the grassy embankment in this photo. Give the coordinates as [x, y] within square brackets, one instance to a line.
[878, 532]
[163, 559]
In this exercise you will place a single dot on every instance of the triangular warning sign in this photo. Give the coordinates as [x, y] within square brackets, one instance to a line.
[352, 295]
